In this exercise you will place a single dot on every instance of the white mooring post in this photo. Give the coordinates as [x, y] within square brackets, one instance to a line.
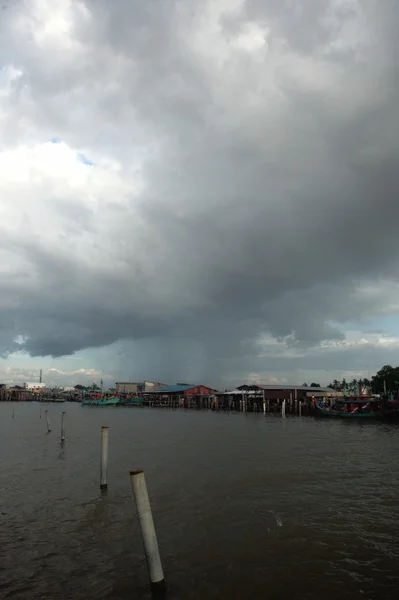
[47, 421]
[264, 402]
[300, 408]
[104, 458]
[63, 426]
[148, 533]
[283, 409]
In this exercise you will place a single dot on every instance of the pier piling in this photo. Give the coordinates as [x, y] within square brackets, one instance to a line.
[283, 409]
[47, 421]
[104, 458]
[140, 494]
[63, 426]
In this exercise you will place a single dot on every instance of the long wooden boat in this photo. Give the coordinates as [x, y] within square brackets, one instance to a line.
[105, 401]
[135, 402]
[351, 408]
[391, 410]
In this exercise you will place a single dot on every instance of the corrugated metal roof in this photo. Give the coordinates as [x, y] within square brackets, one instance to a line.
[169, 389]
[239, 393]
[302, 388]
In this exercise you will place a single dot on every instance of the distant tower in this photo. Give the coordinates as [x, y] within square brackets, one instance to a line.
[41, 374]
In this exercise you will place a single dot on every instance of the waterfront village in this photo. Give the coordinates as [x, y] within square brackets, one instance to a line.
[245, 397]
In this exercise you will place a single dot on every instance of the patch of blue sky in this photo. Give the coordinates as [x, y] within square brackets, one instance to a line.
[386, 325]
[83, 159]
[55, 140]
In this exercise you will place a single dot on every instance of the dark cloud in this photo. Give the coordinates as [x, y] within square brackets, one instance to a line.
[248, 189]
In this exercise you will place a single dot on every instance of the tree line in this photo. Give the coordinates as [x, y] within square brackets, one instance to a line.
[385, 380]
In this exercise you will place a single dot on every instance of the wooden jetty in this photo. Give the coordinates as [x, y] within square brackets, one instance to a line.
[16, 395]
[267, 399]
[239, 403]
[246, 398]
[20, 394]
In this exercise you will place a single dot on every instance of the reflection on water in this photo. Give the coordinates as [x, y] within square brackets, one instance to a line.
[61, 453]
[246, 506]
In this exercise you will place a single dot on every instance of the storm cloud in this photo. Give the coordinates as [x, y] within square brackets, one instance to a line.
[197, 175]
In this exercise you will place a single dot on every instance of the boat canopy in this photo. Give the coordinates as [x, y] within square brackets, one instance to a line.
[359, 400]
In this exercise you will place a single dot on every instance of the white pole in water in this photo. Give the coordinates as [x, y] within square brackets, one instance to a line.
[283, 409]
[300, 407]
[47, 421]
[264, 402]
[104, 457]
[63, 426]
[140, 493]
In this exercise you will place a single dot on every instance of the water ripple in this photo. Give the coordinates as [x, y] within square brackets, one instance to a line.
[245, 506]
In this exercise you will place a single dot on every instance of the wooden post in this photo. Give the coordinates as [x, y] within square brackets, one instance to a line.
[47, 421]
[104, 458]
[148, 532]
[63, 426]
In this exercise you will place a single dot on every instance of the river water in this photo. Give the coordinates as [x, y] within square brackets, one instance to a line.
[246, 506]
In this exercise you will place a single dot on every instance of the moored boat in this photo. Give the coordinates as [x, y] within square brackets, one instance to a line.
[104, 401]
[136, 401]
[391, 409]
[360, 407]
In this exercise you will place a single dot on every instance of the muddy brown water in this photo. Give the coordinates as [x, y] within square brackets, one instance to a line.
[246, 506]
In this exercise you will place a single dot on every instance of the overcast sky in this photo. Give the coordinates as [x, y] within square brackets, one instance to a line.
[201, 191]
